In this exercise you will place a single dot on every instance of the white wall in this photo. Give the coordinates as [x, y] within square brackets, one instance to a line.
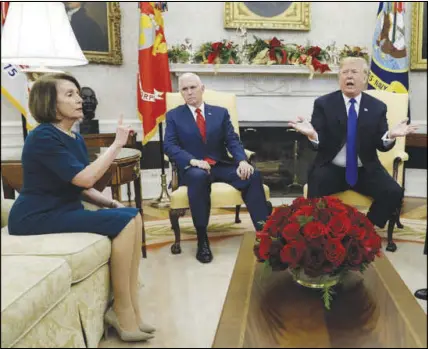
[345, 22]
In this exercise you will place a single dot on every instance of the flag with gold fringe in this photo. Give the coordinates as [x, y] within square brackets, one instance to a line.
[154, 79]
[14, 83]
[389, 68]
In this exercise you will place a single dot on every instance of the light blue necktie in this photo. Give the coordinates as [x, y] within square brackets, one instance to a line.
[351, 146]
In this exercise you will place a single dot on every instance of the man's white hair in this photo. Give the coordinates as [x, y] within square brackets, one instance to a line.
[187, 76]
[359, 60]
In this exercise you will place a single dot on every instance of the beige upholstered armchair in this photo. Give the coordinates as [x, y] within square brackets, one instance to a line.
[393, 160]
[222, 194]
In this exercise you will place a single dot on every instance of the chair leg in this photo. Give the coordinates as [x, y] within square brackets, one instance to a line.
[237, 209]
[399, 225]
[391, 246]
[174, 215]
[129, 192]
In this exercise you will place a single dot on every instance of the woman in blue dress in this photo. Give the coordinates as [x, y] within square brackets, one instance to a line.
[58, 175]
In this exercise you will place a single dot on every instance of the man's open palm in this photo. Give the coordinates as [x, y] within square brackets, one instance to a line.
[402, 129]
[303, 126]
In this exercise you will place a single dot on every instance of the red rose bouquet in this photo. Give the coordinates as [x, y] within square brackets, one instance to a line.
[317, 239]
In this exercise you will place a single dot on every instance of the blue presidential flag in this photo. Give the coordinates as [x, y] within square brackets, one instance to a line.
[389, 68]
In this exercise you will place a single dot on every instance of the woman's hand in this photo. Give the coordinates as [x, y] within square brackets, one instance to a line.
[122, 133]
[116, 204]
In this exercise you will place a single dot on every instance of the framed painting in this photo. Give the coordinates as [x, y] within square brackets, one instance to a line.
[97, 29]
[418, 51]
[268, 15]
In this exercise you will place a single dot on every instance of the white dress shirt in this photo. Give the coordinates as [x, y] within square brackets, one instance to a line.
[340, 158]
[193, 110]
[71, 12]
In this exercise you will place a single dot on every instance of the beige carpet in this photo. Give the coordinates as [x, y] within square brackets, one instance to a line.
[223, 225]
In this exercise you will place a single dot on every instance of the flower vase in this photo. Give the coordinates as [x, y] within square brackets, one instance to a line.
[321, 282]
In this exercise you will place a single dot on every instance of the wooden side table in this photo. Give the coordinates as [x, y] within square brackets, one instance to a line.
[107, 139]
[418, 140]
[125, 169]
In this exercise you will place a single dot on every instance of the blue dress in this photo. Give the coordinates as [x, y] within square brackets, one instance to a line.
[49, 202]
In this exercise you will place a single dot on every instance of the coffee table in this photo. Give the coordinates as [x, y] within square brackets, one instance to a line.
[268, 309]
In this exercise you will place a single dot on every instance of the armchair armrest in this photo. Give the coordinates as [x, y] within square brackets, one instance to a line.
[250, 154]
[400, 156]
[174, 177]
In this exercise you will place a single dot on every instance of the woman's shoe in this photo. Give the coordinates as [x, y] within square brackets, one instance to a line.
[146, 328]
[110, 319]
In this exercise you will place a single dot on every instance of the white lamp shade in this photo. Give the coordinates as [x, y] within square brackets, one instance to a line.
[39, 34]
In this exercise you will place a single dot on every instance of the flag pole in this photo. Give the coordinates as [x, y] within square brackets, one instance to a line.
[163, 201]
[24, 126]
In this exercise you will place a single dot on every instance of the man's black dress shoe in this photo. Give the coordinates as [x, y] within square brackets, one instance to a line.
[421, 294]
[204, 254]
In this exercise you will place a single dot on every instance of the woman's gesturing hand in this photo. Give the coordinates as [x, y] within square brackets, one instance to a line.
[122, 132]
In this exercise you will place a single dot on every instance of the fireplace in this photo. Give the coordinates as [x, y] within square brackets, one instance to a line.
[283, 156]
[266, 98]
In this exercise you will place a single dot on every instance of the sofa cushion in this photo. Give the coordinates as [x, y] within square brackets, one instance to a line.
[31, 287]
[84, 252]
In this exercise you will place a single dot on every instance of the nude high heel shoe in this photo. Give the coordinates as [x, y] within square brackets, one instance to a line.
[110, 319]
[146, 327]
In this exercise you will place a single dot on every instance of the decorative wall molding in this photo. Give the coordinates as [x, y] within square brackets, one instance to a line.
[264, 93]
[178, 69]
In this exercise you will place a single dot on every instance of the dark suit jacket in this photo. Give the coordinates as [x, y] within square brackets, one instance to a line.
[330, 120]
[183, 141]
[88, 33]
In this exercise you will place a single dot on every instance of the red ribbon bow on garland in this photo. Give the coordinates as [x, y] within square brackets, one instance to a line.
[214, 57]
[275, 46]
[216, 46]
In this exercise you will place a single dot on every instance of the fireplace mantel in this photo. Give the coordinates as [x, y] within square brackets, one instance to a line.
[275, 93]
[210, 69]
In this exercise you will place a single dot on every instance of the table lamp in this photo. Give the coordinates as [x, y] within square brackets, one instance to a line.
[39, 34]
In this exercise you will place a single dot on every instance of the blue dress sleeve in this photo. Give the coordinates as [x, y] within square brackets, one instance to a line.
[55, 155]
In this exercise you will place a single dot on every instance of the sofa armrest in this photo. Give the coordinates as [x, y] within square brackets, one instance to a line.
[6, 205]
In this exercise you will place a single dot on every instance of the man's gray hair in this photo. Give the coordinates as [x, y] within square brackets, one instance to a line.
[360, 60]
[189, 75]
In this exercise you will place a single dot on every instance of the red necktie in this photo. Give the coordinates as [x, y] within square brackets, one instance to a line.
[200, 121]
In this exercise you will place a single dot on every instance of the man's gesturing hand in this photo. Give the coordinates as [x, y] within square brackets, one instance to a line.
[304, 127]
[402, 129]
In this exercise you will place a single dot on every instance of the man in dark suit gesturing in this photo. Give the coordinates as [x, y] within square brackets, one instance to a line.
[346, 129]
[197, 138]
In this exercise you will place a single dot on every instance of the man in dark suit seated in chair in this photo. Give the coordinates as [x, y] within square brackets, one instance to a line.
[197, 138]
[346, 129]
